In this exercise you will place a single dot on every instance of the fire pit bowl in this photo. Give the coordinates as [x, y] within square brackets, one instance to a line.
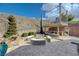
[35, 41]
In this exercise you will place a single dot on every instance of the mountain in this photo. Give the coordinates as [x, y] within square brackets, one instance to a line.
[24, 24]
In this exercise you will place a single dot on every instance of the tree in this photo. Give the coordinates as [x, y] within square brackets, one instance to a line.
[12, 29]
[70, 17]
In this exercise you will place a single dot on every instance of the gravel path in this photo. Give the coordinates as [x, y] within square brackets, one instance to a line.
[59, 48]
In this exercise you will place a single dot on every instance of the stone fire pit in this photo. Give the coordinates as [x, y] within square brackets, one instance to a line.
[36, 41]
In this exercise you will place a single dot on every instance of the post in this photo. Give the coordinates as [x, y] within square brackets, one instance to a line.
[68, 32]
[62, 33]
[60, 12]
[67, 16]
[41, 26]
[58, 30]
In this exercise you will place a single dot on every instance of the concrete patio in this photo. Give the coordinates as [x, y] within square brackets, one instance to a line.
[56, 48]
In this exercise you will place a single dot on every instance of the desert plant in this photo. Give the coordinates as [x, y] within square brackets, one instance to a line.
[30, 33]
[6, 35]
[27, 34]
[24, 35]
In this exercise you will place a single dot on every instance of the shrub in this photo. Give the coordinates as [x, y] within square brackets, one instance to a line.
[27, 34]
[24, 35]
[30, 33]
[6, 35]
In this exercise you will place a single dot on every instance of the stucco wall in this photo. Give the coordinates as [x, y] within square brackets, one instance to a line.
[74, 29]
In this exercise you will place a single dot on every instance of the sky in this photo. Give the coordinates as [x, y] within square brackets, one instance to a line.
[35, 10]
[23, 9]
[52, 10]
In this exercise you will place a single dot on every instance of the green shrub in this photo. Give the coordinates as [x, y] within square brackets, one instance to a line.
[30, 33]
[27, 34]
[6, 35]
[24, 35]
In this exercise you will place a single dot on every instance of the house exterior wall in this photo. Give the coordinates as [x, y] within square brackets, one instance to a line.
[74, 30]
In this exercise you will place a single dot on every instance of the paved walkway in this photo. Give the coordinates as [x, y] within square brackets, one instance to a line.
[56, 48]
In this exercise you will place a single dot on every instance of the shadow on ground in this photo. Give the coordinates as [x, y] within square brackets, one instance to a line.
[77, 44]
